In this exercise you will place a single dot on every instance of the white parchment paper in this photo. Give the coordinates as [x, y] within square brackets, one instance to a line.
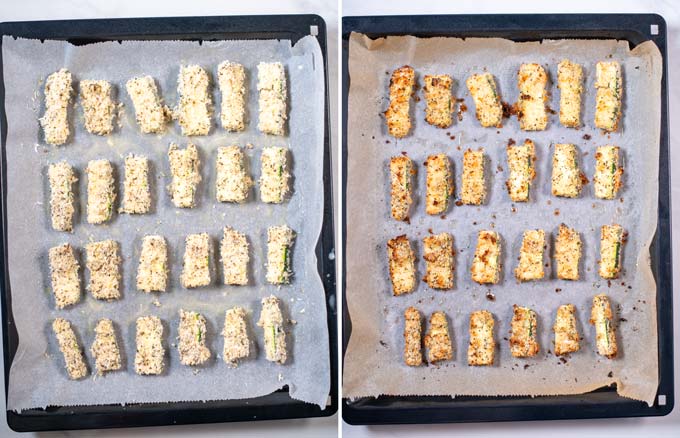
[37, 377]
[373, 361]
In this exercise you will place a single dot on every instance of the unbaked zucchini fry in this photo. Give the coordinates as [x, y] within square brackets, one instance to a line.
[439, 184]
[413, 353]
[611, 250]
[567, 179]
[402, 265]
[231, 78]
[236, 341]
[438, 254]
[531, 81]
[64, 275]
[279, 254]
[601, 317]
[184, 167]
[486, 265]
[58, 91]
[523, 339]
[152, 273]
[273, 88]
[521, 163]
[568, 253]
[530, 265]
[481, 350]
[271, 321]
[488, 107]
[196, 262]
[401, 169]
[101, 191]
[608, 171]
[473, 190]
[275, 175]
[105, 347]
[62, 200]
[235, 257]
[439, 107]
[195, 102]
[151, 114]
[192, 335]
[566, 334]
[437, 340]
[103, 263]
[401, 88]
[136, 193]
[609, 85]
[232, 181]
[74, 360]
[150, 350]
[98, 106]
[570, 83]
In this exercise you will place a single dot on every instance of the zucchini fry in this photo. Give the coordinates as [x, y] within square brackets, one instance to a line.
[192, 336]
[486, 265]
[439, 184]
[54, 122]
[401, 169]
[611, 249]
[62, 200]
[231, 78]
[273, 88]
[570, 83]
[521, 163]
[531, 81]
[232, 182]
[103, 263]
[488, 107]
[401, 88]
[439, 107]
[608, 171]
[150, 113]
[64, 275]
[152, 273]
[101, 191]
[438, 254]
[236, 341]
[437, 340]
[184, 167]
[566, 334]
[105, 347]
[609, 85]
[473, 187]
[98, 106]
[196, 261]
[568, 253]
[413, 354]
[601, 318]
[279, 253]
[150, 351]
[523, 340]
[275, 175]
[74, 359]
[567, 179]
[530, 265]
[271, 321]
[402, 265]
[481, 350]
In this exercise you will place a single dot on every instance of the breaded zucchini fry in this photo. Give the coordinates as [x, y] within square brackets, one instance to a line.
[232, 181]
[192, 335]
[608, 171]
[103, 262]
[568, 253]
[62, 200]
[521, 161]
[439, 107]
[570, 83]
[271, 321]
[401, 88]
[64, 275]
[473, 191]
[567, 179]
[413, 354]
[601, 317]
[273, 88]
[184, 167]
[488, 107]
[402, 265]
[609, 85]
[566, 334]
[231, 78]
[523, 340]
[235, 257]
[136, 193]
[98, 106]
[438, 254]
[195, 102]
[74, 360]
[151, 114]
[531, 81]
[401, 169]
[530, 265]
[611, 250]
[101, 191]
[439, 184]
[152, 273]
[105, 347]
[236, 341]
[280, 242]
[481, 350]
[196, 262]
[150, 350]
[58, 91]
[275, 175]
[486, 265]
[437, 340]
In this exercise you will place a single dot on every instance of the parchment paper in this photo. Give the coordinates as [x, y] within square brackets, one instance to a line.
[26, 65]
[373, 362]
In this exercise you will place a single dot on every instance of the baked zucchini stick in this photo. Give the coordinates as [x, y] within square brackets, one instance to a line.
[271, 321]
[438, 254]
[566, 334]
[195, 102]
[611, 249]
[236, 342]
[521, 162]
[231, 78]
[279, 254]
[402, 265]
[196, 262]
[235, 257]
[523, 339]
[105, 347]
[488, 107]
[398, 116]
[70, 349]
[439, 184]
[486, 265]
[568, 253]
[151, 115]
[103, 262]
[101, 191]
[531, 81]
[608, 171]
[413, 354]
[64, 275]
[136, 194]
[152, 273]
[570, 83]
[473, 191]
[437, 340]
[601, 318]
[482, 346]
[609, 85]
[439, 107]
[401, 169]
[273, 88]
[62, 200]
[530, 265]
[184, 167]
[567, 179]
[98, 106]
[150, 350]
[192, 334]
[232, 181]
[275, 175]
[58, 91]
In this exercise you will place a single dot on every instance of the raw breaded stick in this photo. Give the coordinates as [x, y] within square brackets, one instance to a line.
[101, 191]
[473, 187]
[192, 335]
[567, 179]
[136, 193]
[151, 115]
[488, 107]
[271, 321]
[413, 354]
[232, 181]
[566, 334]
[401, 88]
[279, 251]
[105, 347]
[64, 275]
[609, 85]
[601, 317]
[402, 265]
[482, 346]
[439, 184]
[236, 342]
[531, 81]
[437, 340]
[98, 106]
[103, 262]
[523, 339]
[196, 262]
[58, 90]
[570, 83]
[568, 253]
[275, 176]
[231, 78]
[401, 169]
[439, 101]
[608, 171]
[152, 273]
[150, 351]
[486, 265]
[530, 265]
[70, 349]
[184, 166]
[611, 249]
[273, 88]
[195, 102]
[235, 257]
[438, 254]
[521, 159]
[62, 201]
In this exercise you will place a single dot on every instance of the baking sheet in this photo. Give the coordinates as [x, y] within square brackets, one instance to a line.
[373, 362]
[26, 65]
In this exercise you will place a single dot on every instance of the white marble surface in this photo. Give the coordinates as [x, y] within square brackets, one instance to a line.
[670, 10]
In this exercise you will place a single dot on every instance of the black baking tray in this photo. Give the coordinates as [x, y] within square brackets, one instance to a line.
[602, 403]
[278, 405]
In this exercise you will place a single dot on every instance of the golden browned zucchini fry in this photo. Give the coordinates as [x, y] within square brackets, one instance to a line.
[608, 171]
[439, 107]
[609, 85]
[611, 249]
[601, 318]
[486, 265]
[521, 159]
[488, 107]
[570, 83]
[566, 334]
[413, 354]
[523, 340]
[401, 169]
[482, 345]
[531, 81]
[567, 179]
[401, 89]
[402, 265]
[567, 253]
[473, 190]
[439, 184]
[437, 340]
[530, 265]
[438, 255]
